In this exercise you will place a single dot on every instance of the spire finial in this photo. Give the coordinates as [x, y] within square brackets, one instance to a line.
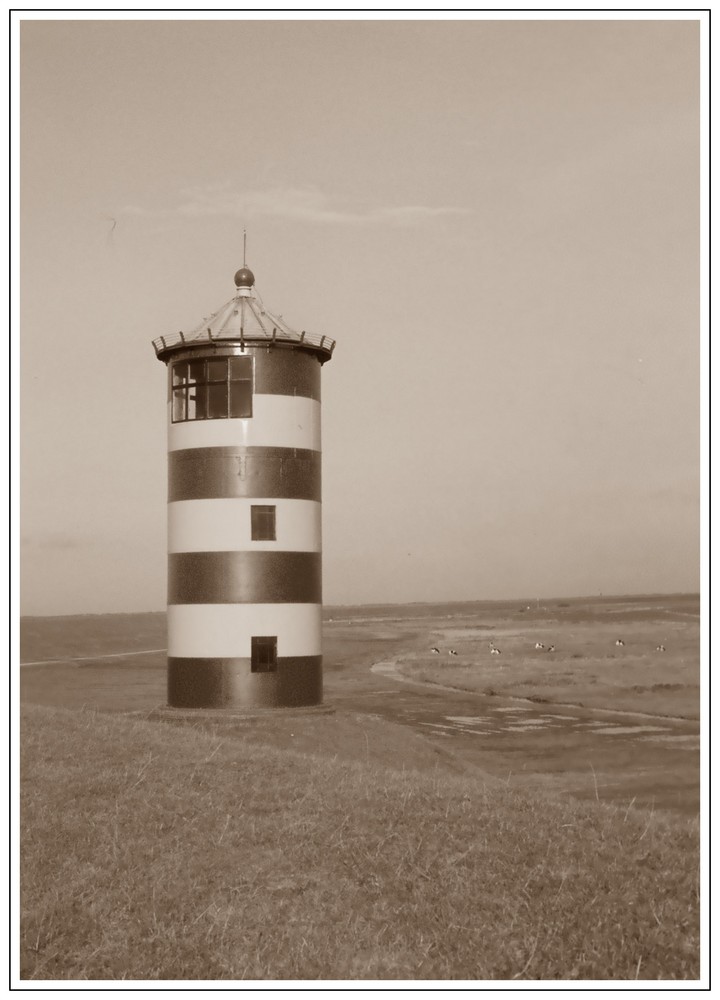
[244, 278]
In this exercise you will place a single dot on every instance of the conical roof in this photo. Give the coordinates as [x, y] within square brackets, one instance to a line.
[244, 319]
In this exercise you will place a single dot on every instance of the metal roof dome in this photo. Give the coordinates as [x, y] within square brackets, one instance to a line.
[244, 319]
[244, 278]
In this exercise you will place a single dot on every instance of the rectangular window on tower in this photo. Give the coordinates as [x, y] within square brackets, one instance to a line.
[262, 523]
[263, 654]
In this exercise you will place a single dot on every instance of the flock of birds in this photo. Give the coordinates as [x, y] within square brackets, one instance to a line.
[494, 651]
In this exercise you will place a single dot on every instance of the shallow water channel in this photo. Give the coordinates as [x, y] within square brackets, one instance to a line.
[643, 761]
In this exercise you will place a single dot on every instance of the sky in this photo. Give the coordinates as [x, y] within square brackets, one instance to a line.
[498, 222]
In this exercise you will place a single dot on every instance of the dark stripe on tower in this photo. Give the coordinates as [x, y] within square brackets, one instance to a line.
[281, 372]
[236, 471]
[245, 577]
[207, 682]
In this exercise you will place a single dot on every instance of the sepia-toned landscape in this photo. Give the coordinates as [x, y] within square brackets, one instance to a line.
[526, 814]
[327, 327]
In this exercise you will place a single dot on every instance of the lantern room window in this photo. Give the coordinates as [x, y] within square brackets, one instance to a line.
[211, 388]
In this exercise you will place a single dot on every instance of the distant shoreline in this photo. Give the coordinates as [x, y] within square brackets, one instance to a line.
[329, 609]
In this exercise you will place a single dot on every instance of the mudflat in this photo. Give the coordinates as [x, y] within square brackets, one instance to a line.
[578, 699]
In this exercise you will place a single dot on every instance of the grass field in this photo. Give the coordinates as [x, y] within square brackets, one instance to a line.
[152, 852]
[343, 846]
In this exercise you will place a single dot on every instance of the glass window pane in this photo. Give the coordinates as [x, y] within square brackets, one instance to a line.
[263, 653]
[217, 399]
[240, 399]
[262, 519]
[179, 373]
[269, 525]
[241, 368]
[195, 406]
[217, 369]
[178, 412]
[196, 371]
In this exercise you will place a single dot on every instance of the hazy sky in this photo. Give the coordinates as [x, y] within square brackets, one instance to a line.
[496, 220]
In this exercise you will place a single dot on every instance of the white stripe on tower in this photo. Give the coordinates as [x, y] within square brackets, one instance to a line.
[223, 525]
[224, 630]
[277, 422]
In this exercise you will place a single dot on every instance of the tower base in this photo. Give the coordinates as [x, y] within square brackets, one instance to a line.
[219, 683]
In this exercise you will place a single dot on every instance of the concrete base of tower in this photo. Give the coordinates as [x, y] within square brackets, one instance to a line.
[230, 683]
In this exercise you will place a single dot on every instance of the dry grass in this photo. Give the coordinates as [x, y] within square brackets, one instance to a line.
[152, 852]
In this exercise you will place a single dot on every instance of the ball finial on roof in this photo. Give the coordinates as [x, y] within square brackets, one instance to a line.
[244, 278]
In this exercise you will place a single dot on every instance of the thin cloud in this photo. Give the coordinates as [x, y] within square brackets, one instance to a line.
[295, 204]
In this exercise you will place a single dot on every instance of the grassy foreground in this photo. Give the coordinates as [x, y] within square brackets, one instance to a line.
[159, 852]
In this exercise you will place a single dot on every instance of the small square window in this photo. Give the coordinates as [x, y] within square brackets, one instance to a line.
[263, 653]
[262, 523]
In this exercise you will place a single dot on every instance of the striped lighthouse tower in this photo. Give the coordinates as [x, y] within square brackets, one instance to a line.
[244, 525]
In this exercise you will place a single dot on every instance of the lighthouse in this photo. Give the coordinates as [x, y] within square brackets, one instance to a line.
[244, 508]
